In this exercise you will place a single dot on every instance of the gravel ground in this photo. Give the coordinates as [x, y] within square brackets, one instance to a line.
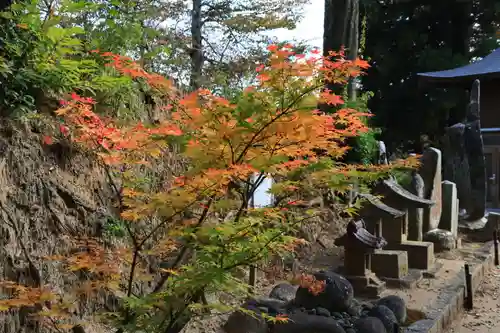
[485, 317]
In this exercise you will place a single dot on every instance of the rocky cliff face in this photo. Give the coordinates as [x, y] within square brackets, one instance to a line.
[47, 193]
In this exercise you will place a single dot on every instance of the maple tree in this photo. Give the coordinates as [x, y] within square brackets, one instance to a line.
[189, 236]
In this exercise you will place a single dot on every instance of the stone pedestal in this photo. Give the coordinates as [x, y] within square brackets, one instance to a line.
[420, 254]
[363, 280]
[392, 268]
[359, 245]
[367, 286]
[390, 264]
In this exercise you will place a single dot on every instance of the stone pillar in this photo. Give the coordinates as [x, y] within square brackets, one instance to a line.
[430, 171]
[449, 214]
[416, 215]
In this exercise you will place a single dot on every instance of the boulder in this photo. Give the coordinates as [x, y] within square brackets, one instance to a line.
[355, 308]
[301, 322]
[241, 322]
[397, 306]
[369, 325]
[336, 296]
[323, 312]
[284, 291]
[443, 239]
[273, 306]
[386, 316]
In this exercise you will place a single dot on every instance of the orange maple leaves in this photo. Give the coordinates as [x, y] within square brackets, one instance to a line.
[274, 128]
[310, 282]
[271, 128]
[23, 296]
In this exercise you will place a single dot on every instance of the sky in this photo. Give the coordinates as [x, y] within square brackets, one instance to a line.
[310, 29]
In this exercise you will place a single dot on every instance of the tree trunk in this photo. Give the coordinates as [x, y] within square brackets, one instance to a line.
[353, 44]
[341, 29]
[461, 23]
[196, 46]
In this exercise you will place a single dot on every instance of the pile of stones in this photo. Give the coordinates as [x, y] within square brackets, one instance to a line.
[334, 310]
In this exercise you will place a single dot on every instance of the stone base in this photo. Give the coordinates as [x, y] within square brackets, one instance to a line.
[409, 281]
[468, 226]
[431, 273]
[366, 286]
[390, 264]
[420, 254]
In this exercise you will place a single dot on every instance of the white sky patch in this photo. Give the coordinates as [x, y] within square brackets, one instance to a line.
[309, 29]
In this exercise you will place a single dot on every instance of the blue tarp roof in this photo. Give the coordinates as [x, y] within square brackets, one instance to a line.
[488, 65]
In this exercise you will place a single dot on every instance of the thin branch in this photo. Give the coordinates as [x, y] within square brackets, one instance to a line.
[278, 116]
[181, 256]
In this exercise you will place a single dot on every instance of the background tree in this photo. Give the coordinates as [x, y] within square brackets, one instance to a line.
[226, 35]
[406, 37]
[345, 28]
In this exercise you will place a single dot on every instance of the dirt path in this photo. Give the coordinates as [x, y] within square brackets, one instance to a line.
[485, 317]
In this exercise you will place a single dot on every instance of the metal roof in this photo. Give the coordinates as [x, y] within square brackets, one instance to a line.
[489, 65]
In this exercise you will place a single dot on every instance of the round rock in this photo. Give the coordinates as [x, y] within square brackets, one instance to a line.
[273, 306]
[284, 291]
[443, 239]
[369, 325]
[336, 296]
[323, 312]
[355, 308]
[240, 322]
[386, 316]
[301, 322]
[397, 306]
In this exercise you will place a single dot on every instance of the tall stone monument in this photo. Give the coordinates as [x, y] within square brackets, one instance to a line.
[475, 155]
[464, 159]
[456, 162]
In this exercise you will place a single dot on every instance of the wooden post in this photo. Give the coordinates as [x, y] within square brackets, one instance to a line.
[252, 277]
[469, 300]
[495, 243]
